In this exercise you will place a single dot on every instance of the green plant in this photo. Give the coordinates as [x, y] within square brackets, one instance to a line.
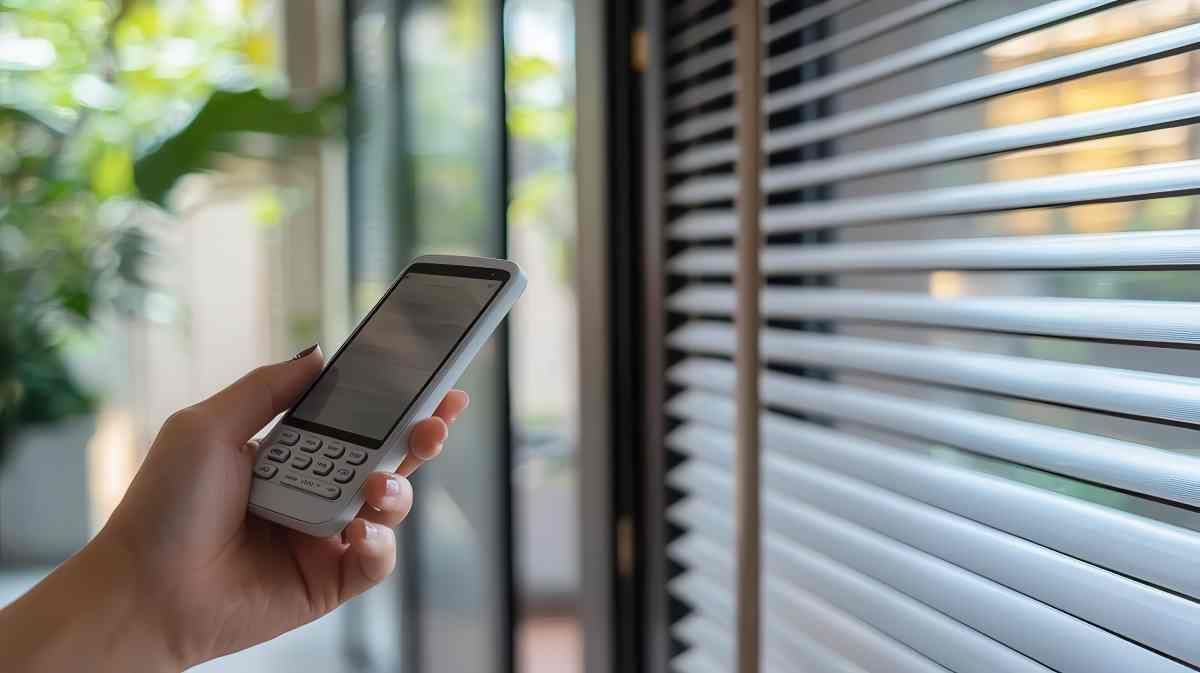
[104, 106]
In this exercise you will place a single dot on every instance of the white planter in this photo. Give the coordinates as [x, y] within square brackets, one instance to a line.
[44, 502]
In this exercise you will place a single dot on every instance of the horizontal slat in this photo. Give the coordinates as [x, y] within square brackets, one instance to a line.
[1119, 184]
[705, 587]
[689, 9]
[1153, 617]
[777, 29]
[1161, 113]
[701, 63]
[1174, 323]
[1134, 546]
[1138, 182]
[1124, 250]
[705, 590]
[699, 32]
[1020, 622]
[1119, 391]
[704, 224]
[856, 34]
[935, 50]
[713, 599]
[1041, 73]
[705, 635]
[699, 94]
[1166, 112]
[1125, 465]
[1028, 626]
[901, 617]
[703, 156]
[805, 619]
[700, 125]
[695, 661]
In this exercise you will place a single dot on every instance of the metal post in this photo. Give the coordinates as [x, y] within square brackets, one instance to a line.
[747, 33]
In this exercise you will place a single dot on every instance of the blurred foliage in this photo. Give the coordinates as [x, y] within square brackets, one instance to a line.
[541, 127]
[104, 106]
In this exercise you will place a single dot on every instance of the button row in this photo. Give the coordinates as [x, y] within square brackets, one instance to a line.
[310, 485]
[321, 466]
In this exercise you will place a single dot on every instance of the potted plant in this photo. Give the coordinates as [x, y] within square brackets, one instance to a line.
[103, 107]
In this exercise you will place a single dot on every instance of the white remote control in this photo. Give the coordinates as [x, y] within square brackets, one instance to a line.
[393, 371]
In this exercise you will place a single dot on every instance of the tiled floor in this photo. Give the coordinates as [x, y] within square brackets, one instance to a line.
[549, 644]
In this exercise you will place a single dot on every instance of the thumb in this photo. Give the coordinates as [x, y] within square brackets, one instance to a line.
[242, 409]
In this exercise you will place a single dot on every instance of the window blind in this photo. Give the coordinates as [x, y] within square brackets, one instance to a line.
[979, 392]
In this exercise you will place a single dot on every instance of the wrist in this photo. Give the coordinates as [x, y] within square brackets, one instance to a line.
[127, 605]
[92, 613]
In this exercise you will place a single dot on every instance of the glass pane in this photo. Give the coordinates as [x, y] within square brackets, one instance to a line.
[428, 181]
[545, 372]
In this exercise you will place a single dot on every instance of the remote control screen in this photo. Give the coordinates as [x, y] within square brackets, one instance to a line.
[367, 388]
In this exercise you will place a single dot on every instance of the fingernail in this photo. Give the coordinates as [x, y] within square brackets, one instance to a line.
[393, 485]
[369, 530]
[305, 352]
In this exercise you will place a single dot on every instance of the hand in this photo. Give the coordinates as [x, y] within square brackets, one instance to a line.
[206, 579]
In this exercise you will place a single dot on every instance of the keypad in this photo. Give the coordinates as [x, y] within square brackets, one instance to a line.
[312, 474]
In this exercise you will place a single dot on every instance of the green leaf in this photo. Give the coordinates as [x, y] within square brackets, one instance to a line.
[225, 114]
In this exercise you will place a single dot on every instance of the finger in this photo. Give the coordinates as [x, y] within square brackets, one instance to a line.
[250, 450]
[242, 409]
[389, 499]
[453, 404]
[370, 558]
[424, 443]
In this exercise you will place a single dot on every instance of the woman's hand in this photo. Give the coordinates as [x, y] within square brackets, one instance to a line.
[181, 574]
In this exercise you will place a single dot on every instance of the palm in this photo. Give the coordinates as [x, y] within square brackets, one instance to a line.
[234, 579]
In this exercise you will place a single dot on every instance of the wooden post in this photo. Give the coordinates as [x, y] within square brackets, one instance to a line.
[747, 280]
